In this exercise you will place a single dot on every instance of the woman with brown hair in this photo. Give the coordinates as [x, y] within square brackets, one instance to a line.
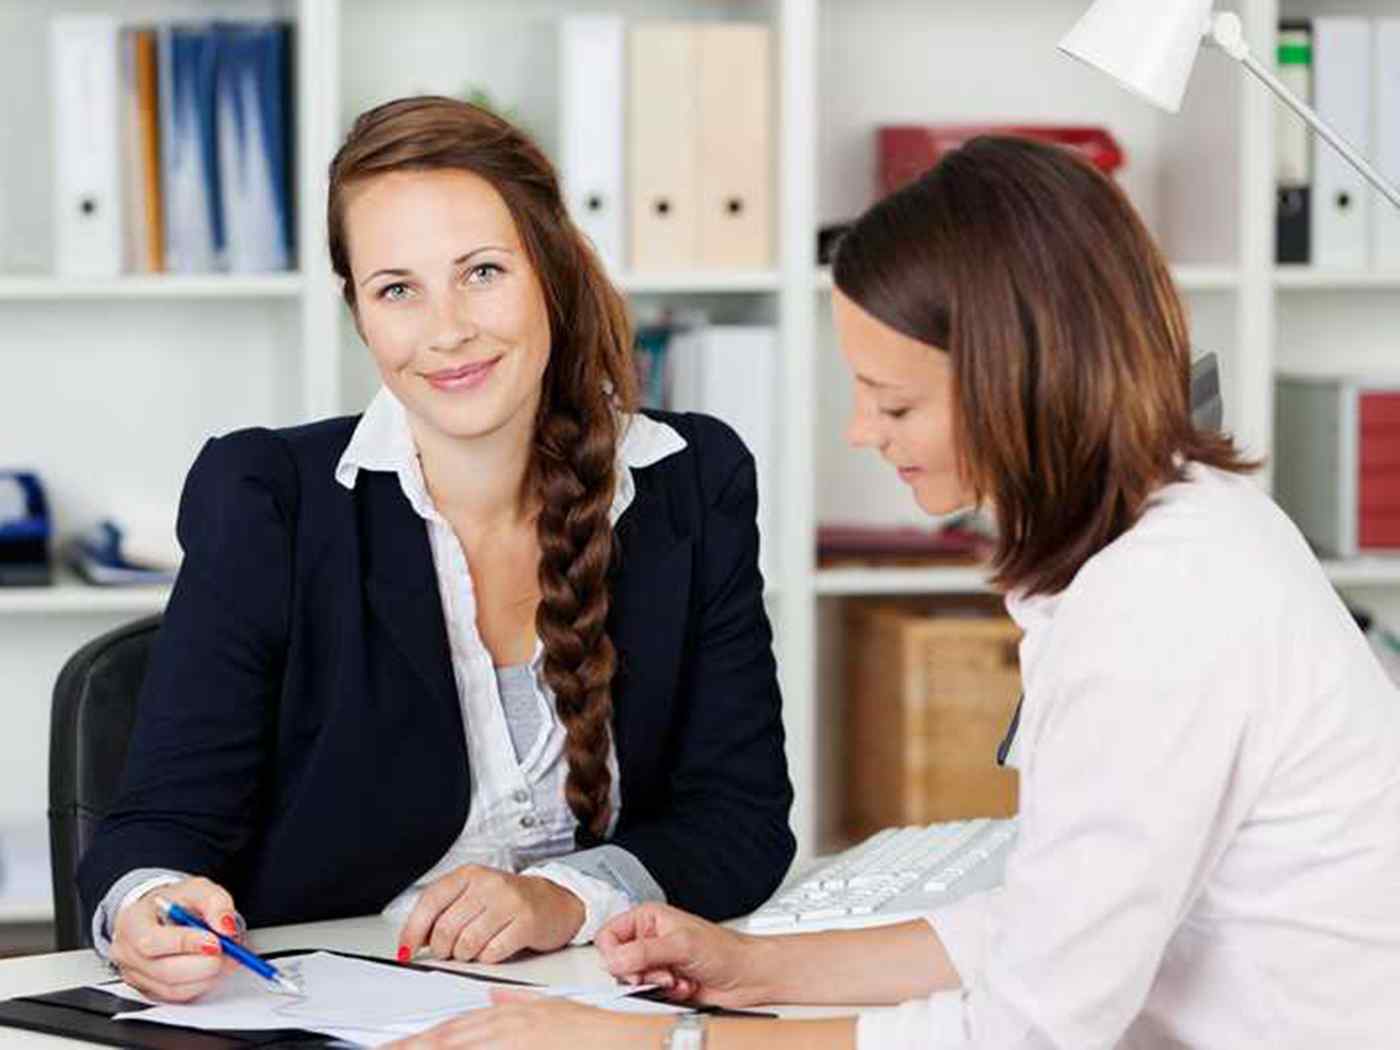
[1209, 831]
[491, 657]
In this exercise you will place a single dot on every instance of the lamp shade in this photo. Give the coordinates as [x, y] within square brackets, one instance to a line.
[1148, 46]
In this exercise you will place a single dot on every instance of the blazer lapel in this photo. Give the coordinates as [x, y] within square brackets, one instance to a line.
[402, 584]
[650, 607]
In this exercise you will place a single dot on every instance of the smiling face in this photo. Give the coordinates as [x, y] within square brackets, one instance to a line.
[448, 301]
[903, 406]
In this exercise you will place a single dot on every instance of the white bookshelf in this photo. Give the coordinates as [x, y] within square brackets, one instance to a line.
[156, 286]
[1367, 572]
[72, 597]
[1187, 278]
[1307, 278]
[693, 283]
[901, 581]
[25, 895]
[111, 386]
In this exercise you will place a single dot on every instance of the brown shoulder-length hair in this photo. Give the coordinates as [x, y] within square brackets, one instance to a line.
[1070, 348]
[589, 378]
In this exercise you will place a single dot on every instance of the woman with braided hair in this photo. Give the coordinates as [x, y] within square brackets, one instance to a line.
[491, 657]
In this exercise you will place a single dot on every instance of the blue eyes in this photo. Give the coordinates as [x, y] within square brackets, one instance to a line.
[482, 273]
[485, 268]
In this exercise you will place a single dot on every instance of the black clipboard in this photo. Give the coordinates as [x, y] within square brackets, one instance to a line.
[86, 1014]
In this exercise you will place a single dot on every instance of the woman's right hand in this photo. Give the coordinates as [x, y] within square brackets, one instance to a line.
[168, 962]
[689, 957]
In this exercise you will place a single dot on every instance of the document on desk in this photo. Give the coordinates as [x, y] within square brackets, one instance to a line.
[356, 1000]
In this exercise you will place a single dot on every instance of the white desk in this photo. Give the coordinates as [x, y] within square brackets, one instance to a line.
[370, 935]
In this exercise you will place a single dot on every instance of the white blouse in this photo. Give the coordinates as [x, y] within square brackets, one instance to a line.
[1209, 848]
[518, 819]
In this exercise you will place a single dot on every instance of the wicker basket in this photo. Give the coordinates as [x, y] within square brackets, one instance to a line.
[931, 688]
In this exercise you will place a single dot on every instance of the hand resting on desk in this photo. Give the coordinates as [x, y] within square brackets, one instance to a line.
[691, 958]
[174, 963]
[481, 913]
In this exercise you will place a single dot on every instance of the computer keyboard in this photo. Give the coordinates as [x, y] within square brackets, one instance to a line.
[895, 875]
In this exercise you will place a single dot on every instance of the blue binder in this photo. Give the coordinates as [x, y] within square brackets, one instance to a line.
[253, 115]
[194, 229]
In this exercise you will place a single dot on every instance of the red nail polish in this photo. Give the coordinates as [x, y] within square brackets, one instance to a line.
[209, 949]
[230, 927]
[404, 953]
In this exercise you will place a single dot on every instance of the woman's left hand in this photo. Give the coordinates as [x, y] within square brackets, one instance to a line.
[480, 913]
[521, 1021]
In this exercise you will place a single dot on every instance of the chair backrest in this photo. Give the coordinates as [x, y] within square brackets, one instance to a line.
[94, 708]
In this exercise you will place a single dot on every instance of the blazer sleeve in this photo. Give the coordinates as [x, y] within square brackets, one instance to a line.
[206, 715]
[724, 844]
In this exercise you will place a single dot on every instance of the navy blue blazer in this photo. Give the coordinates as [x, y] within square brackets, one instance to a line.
[299, 736]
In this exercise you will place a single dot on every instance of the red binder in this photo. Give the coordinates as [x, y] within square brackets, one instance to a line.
[907, 151]
[1378, 482]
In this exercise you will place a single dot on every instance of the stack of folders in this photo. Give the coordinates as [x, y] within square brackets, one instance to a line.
[666, 149]
[1328, 215]
[172, 147]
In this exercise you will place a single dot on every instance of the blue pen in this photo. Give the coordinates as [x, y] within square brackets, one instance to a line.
[172, 912]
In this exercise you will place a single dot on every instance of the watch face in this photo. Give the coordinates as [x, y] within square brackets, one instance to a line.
[688, 1034]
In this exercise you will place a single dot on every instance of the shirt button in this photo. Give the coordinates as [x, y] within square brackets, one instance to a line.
[527, 821]
[521, 796]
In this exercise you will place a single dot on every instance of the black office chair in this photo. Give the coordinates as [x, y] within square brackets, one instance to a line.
[94, 708]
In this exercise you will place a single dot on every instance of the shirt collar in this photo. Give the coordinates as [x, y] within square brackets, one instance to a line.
[382, 441]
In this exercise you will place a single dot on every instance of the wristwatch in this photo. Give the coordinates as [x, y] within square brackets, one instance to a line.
[688, 1033]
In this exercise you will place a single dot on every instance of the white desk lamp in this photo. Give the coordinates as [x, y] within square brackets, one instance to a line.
[1149, 46]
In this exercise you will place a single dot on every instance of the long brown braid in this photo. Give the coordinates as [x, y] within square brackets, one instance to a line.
[588, 380]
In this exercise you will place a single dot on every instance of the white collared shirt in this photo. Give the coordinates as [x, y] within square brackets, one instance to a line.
[518, 819]
[1209, 848]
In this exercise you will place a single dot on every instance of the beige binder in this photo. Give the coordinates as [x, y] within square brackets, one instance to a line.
[736, 146]
[662, 132]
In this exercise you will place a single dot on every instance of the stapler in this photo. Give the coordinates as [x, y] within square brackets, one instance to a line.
[25, 531]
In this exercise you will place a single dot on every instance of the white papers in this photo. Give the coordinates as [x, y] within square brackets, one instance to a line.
[622, 1001]
[352, 999]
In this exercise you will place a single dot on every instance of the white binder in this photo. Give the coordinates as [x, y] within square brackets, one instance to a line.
[1387, 244]
[88, 238]
[592, 61]
[1342, 85]
[662, 127]
[1293, 139]
[736, 146]
[731, 372]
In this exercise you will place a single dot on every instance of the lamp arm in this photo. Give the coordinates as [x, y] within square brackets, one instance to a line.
[1226, 33]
